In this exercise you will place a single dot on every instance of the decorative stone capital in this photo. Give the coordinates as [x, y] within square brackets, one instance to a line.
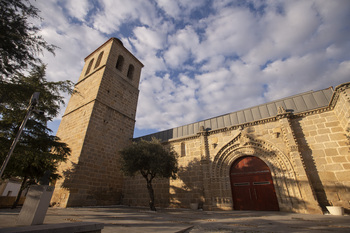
[202, 131]
[282, 112]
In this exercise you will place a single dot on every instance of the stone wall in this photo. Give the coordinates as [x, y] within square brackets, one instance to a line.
[307, 153]
[325, 151]
[98, 122]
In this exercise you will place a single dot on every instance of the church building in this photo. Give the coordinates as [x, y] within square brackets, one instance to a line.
[291, 154]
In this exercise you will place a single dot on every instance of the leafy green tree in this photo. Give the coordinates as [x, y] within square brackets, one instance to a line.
[152, 160]
[19, 42]
[37, 151]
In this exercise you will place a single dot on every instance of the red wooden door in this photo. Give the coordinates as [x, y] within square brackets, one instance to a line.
[252, 186]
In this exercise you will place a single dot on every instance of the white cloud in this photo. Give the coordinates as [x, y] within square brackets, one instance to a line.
[176, 56]
[341, 73]
[213, 63]
[147, 43]
[115, 12]
[299, 74]
[206, 58]
[171, 8]
[226, 90]
[230, 33]
[181, 46]
[303, 27]
[295, 39]
[164, 104]
[180, 8]
[74, 42]
[150, 38]
[78, 8]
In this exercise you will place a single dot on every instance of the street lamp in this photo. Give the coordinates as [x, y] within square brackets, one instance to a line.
[33, 102]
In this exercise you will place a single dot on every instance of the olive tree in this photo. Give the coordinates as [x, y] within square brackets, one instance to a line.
[151, 159]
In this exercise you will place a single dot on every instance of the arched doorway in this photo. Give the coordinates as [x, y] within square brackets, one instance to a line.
[251, 185]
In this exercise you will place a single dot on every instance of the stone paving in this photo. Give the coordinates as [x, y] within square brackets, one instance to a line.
[131, 219]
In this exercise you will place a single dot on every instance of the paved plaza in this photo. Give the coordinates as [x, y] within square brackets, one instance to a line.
[131, 219]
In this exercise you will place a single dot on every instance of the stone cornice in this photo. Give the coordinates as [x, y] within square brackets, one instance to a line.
[312, 112]
[258, 122]
[244, 125]
[338, 89]
[186, 138]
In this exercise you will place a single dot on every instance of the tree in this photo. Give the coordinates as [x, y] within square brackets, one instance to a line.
[19, 42]
[152, 160]
[37, 151]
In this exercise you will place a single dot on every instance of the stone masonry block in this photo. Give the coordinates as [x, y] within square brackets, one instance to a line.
[343, 175]
[339, 159]
[331, 152]
[337, 136]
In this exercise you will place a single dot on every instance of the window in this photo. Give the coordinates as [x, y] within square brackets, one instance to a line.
[183, 149]
[120, 63]
[99, 59]
[89, 67]
[130, 71]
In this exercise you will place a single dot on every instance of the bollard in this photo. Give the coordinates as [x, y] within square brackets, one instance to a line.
[35, 206]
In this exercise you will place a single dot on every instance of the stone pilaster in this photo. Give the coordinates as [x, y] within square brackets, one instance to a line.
[205, 166]
[341, 105]
[308, 197]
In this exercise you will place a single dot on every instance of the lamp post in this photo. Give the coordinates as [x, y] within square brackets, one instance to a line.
[33, 102]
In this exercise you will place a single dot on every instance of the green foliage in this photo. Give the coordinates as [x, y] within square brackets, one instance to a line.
[20, 46]
[37, 151]
[150, 158]
[19, 42]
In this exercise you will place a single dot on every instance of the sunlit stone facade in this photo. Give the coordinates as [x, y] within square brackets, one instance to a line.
[98, 121]
[306, 152]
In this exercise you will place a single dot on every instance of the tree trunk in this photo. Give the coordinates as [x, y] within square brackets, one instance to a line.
[19, 192]
[151, 195]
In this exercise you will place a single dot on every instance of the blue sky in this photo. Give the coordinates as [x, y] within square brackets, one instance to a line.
[205, 58]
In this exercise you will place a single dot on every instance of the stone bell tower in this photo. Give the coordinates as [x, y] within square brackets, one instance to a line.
[98, 122]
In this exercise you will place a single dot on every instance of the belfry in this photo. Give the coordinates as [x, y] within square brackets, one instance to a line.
[98, 122]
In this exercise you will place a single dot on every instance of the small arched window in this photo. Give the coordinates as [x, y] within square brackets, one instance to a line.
[120, 63]
[99, 59]
[89, 67]
[183, 149]
[130, 71]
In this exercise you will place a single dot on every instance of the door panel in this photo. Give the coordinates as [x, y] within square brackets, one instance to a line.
[243, 196]
[252, 185]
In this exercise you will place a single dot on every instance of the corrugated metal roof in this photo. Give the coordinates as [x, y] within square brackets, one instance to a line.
[296, 104]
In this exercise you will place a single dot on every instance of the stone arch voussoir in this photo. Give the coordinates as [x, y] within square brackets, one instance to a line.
[281, 168]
